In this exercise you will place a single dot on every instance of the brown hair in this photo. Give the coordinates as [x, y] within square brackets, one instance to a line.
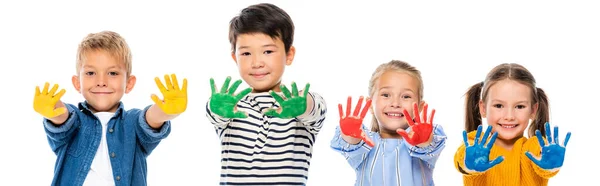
[107, 41]
[395, 65]
[513, 72]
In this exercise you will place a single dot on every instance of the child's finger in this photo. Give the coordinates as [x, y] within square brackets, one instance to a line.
[367, 140]
[175, 82]
[225, 86]
[286, 91]
[408, 118]
[567, 138]
[341, 110]
[556, 135]
[168, 82]
[431, 116]
[492, 140]
[538, 134]
[365, 109]
[160, 85]
[212, 86]
[425, 112]
[548, 134]
[477, 135]
[348, 106]
[486, 134]
[416, 111]
[465, 138]
[357, 109]
[404, 135]
[496, 161]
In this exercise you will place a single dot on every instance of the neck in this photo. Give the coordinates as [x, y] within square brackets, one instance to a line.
[384, 133]
[506, 143]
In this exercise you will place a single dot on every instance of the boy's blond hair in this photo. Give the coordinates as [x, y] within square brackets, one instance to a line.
[107, 41]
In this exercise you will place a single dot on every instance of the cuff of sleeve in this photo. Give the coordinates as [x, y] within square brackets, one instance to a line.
[154, 133]
[51, 127]
[311, 115]
[338, 143]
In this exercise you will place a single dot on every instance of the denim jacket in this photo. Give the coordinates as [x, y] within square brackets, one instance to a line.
[129, 137]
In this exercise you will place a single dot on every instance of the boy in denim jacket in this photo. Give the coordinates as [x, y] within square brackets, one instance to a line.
[98, 142]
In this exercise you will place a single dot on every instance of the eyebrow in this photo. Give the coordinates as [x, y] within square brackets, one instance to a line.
[497, 100]
[89, 66]
[404, 89]
[267, 45]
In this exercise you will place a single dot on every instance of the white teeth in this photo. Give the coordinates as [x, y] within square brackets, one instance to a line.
[396, 115]
[508, 126]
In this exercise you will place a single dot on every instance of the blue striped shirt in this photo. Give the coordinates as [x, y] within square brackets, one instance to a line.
[263, 150]
[391, 161]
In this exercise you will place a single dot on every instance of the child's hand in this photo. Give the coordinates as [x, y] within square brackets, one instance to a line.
[175, 99]
[224, 103]
[477, 155]
[351, 125]
[552, 154]
[292, 106]
[46, 102]
[420, 132]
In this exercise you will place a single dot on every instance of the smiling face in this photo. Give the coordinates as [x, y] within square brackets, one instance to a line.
[261, 60]
[102, 80]
[394, 92]
[508, 109]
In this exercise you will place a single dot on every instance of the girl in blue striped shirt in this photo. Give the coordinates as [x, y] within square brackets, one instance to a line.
[397, 150]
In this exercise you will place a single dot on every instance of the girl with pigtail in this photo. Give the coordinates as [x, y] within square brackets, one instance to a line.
[510, 102]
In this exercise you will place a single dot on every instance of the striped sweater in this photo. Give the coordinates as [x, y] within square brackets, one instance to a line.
[516, 169]
[264, 150]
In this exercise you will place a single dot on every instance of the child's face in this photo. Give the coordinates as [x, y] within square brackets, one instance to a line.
[102, 81]
[261, 60]
[395, 91]
[508, 108]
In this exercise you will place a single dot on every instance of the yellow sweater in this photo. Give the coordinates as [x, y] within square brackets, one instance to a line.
[515, 170]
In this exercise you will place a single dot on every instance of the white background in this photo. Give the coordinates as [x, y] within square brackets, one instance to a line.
[339, 45]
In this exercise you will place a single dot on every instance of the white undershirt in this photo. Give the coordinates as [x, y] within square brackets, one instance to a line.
[101, 173]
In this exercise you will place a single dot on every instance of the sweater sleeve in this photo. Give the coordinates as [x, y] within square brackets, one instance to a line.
[355, 154]
[431, 153]
[314, 119]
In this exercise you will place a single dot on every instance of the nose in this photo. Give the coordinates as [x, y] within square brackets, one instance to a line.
[101, 81]
[395, 103]
[509, 115]
[257, 62]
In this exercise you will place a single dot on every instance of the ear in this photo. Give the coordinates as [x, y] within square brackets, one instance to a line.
[290, 55]
[233, 57]
[534, 111]
[130, 83]
[76, 83]
[482, 108]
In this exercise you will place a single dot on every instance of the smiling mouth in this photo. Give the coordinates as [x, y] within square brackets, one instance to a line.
[259, 75]
[101, 92]
[508, 126]
[394, 114]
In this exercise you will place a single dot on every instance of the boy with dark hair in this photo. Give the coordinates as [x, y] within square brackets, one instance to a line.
[266, 139]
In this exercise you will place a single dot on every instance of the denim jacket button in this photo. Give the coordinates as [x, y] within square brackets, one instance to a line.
[112, 155]
[118, 178]
[110, 130]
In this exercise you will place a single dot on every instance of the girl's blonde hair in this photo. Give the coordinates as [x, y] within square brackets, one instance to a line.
[394, 65]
